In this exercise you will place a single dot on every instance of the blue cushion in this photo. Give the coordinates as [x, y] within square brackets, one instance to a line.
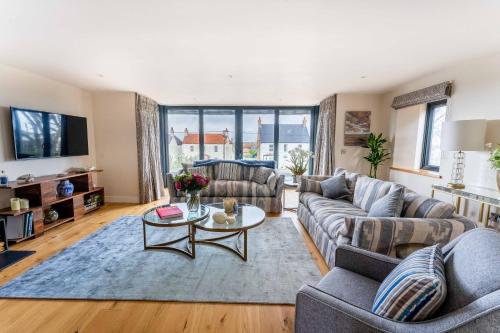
[415, 289]
[390, 205]
[335, 187]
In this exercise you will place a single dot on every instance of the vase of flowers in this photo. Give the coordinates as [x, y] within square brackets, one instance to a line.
[298, 162]
[191, 184]
[495, 163]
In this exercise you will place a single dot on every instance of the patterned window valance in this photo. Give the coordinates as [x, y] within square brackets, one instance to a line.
[426, 95]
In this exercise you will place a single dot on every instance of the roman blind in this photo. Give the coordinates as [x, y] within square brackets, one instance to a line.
[426, 95]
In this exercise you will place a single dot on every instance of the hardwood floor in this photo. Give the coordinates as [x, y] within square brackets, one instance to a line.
[127, 316]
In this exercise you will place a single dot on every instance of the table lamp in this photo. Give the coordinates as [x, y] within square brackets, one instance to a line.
[460, 136]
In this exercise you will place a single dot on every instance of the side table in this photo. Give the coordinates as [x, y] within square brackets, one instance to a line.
[289, 184]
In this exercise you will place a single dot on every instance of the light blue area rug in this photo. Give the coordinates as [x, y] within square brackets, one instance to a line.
[111, 264]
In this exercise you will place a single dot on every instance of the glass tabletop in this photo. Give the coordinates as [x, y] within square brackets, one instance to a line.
[152, 218]
[248, 216]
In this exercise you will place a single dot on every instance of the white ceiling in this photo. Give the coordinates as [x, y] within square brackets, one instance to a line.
[254, 52]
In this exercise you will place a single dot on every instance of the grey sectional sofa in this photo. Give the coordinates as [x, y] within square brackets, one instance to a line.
[236, 183]
[342, 300]
[330, 223]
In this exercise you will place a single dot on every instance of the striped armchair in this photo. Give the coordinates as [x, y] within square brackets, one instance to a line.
[424, 221]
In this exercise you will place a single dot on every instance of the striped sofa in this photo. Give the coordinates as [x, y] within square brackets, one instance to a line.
[236, 183]
[330, 223]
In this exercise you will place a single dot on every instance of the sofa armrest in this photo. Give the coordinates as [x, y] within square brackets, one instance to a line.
[373, 265]
[319, 312]
[280, 184]
[311, 184]
[172, 192]
[384, 234]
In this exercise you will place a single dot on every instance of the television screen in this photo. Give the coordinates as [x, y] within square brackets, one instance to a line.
[39, 134]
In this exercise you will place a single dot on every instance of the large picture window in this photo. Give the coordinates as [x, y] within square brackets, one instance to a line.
[234, 132]
[434, 119]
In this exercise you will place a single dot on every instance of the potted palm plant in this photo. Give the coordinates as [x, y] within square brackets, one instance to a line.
[495, 163]
[298, 162]
[377, 153]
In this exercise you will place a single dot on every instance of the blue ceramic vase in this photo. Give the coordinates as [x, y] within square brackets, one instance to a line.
[65, 188]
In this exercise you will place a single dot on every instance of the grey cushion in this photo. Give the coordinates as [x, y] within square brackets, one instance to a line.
[261, 175]
[472, 268]
[390, 205]
[335, 187]
[350, 287]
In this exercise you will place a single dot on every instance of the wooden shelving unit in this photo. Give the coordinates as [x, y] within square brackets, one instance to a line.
[42, 195]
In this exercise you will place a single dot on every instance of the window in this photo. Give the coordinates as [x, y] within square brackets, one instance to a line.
[431, 151]
[219, 128]
[190, 133]
[294, 132]
[182, 139]
[258, 134]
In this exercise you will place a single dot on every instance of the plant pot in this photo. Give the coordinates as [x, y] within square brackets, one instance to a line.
[193, 201]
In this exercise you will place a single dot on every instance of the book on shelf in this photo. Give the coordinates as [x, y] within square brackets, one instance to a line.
[20, 226]
[169, 212]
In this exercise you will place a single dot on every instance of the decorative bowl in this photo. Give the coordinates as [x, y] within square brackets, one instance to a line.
[219, 217]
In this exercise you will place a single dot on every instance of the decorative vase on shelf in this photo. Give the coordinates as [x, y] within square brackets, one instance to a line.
[65, 188]
[193, 200]
[51, 215]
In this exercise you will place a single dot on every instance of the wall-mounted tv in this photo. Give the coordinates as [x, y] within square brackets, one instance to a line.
[39, 134]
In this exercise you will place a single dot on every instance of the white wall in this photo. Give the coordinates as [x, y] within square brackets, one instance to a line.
[27, 90]
[351, 158]
[115, 137]
[476, 86]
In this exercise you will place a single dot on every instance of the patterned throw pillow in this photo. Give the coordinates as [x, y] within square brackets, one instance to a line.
[415, 289]
[261, 175]
[201, 170]
[335, 187]
[229, 171]
[390, 205]
[416, 205]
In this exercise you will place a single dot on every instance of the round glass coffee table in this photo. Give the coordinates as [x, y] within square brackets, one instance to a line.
[188, 219]
[248, 217]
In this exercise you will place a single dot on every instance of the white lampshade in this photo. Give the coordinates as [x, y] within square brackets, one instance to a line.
[464, 135]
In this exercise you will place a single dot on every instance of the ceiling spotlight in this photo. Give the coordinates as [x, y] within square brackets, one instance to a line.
[230, 76]
[362, 77]
[100, 75]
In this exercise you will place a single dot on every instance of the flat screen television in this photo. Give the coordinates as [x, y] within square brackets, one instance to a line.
[39, 134]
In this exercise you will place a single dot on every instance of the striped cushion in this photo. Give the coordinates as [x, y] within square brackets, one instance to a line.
[368, 190]
[229, 171]
[419, 206]
[350, 178]
[415, 289]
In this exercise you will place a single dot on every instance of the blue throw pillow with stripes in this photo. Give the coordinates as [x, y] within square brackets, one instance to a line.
[415, 289]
